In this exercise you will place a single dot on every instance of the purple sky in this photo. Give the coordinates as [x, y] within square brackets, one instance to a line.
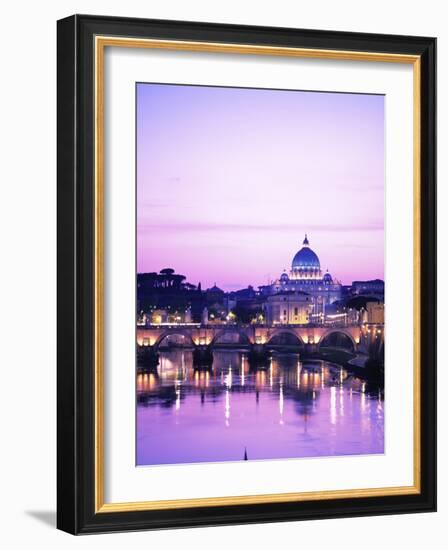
[229, 180]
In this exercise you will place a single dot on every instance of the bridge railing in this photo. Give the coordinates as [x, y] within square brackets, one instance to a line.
[247, 325]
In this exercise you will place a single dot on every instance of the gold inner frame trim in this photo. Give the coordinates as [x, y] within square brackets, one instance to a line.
[101, 42]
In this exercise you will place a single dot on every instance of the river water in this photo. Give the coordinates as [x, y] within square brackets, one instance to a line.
[292, 409]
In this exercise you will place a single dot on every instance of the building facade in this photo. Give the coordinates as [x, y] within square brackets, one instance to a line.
[305, 276]
[288, 307]
[374, 313]
[374, 288]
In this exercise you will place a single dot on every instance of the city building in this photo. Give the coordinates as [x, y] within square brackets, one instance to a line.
[374, 288]
[306, 276]
[215, 295]
[374, 313]
[288, 307]
[302, 295]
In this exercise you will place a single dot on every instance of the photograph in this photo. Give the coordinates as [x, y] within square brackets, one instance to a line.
[236, 204]
[260, 274]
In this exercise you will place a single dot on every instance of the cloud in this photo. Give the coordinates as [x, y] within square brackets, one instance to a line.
[154, 205]
[237, 227]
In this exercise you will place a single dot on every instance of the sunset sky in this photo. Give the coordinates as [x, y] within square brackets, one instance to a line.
[229, 180]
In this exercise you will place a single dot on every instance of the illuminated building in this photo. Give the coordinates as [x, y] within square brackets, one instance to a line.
[305, 276]
[288, 308]
[374, 313]
[373, 287]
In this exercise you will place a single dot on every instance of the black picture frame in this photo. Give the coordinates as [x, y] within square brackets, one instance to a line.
[76, 263]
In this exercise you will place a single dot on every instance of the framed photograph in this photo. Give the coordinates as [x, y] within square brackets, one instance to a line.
[246, 274]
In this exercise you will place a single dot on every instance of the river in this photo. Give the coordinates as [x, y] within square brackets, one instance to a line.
[292, 409]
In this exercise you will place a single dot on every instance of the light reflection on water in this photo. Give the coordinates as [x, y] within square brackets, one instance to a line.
[292, 409]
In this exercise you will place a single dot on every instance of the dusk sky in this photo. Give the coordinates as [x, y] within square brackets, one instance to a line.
[229, 180]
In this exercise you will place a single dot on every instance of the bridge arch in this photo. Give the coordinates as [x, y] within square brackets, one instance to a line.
[338, 338]
[186, 334]
[243, 337]
[285, 337]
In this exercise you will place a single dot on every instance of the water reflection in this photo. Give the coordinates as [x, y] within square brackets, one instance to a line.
[291, 409]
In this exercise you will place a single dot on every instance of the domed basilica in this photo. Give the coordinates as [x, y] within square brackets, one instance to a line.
[306, 276]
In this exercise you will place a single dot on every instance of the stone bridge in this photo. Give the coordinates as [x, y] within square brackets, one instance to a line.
[310, 337]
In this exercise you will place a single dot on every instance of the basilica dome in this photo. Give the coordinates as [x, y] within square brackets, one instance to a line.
[306, 260]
